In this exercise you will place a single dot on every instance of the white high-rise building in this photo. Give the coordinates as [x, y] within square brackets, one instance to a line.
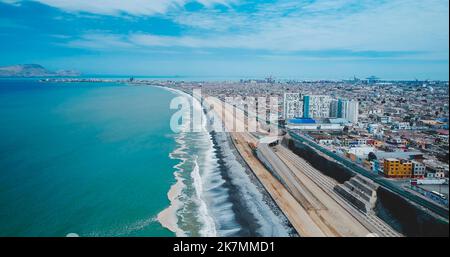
[293, 105]
[349, 110]
[316, 106]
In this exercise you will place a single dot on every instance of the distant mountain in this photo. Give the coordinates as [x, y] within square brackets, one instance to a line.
[33, 70]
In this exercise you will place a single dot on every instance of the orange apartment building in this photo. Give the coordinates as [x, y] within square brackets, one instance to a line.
[395, 168]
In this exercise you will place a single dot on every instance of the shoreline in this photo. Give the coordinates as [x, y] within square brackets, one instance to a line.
[258, 225]
[252, 201]
[168, 217]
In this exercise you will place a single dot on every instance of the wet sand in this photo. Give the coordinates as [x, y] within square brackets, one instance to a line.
[168, 217]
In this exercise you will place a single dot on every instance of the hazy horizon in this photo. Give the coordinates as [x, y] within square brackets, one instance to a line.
[310, 39]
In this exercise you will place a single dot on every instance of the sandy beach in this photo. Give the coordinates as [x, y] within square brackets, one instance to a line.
[236, 187]
[168, 217]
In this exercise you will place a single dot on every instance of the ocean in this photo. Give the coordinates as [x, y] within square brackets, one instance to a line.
[99, 159]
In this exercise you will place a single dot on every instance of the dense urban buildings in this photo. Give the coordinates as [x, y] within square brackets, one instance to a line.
[396, 130]
[367, 121]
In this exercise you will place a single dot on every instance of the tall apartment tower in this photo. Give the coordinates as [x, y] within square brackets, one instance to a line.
[334, 108]
[316, 106]
[349, 110]
[293, 105]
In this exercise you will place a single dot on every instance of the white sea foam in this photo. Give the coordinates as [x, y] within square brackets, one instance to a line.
[270, 223]
[216, 195]
[214, 209]
[208, 224]
[168, 217]
[209, 227]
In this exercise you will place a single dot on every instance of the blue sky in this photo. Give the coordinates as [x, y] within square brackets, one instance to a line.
[310, 39]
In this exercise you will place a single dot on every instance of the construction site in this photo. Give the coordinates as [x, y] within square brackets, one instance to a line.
[315, 204]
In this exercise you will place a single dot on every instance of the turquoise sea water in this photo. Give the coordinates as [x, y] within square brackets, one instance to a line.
[91, 159]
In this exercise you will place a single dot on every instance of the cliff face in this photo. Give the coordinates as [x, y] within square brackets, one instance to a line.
[32, 70]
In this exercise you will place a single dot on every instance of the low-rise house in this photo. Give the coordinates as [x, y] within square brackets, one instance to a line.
[419, 169]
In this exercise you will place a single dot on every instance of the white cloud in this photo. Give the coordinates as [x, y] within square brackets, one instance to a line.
[283, 26]
[398, 25]
[117, 7]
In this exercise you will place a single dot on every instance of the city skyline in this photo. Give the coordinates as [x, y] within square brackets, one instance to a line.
[230, 38]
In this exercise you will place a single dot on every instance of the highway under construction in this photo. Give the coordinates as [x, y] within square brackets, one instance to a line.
[307, 197]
